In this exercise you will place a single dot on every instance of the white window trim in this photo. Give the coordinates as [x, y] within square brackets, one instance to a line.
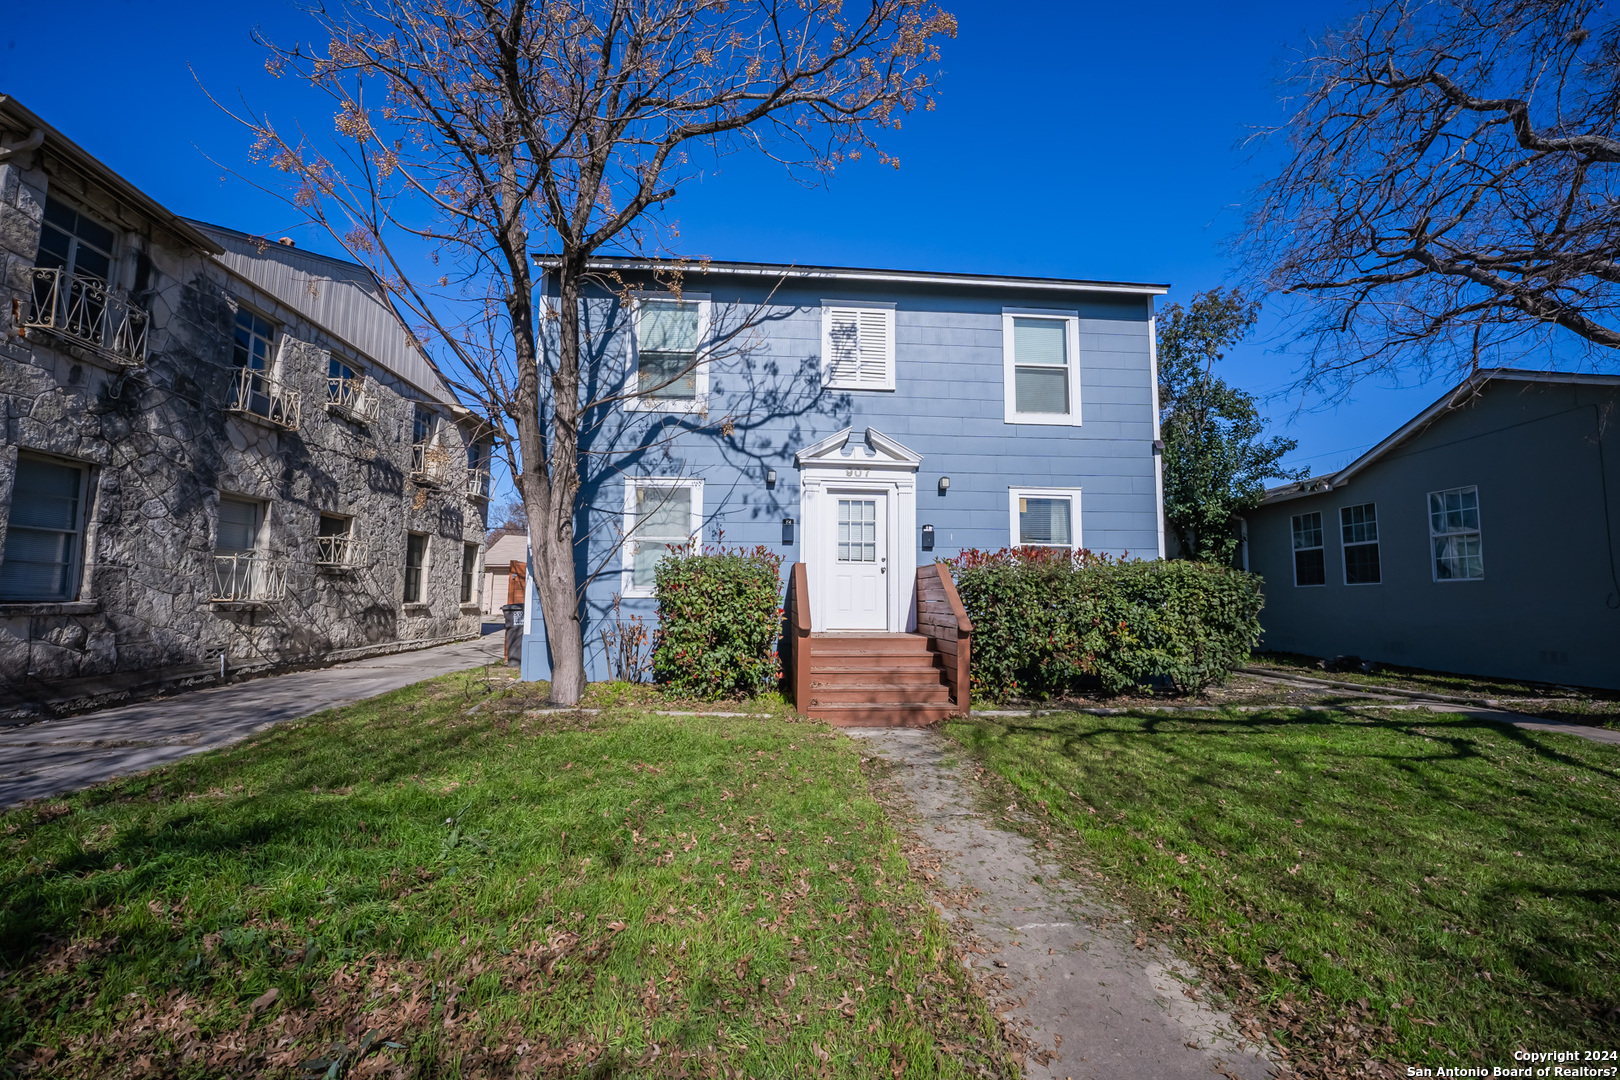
[827, 308]
[1428, 514]
[1346, 545]
[1070, 493]
[405, 565]
[1293, 552]
[1071, 320]
[627, 547]
[633, 402]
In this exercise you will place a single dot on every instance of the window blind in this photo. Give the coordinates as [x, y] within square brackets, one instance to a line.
[663, 517]
[1041, 366]
[859, 349]
[42, 532]
[1044, 522]
[238, 526]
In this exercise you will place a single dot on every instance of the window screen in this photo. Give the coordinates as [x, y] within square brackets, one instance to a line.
[663, 516]
[1044, 522]
[1310, 567]
[666, 349]
[43, 532]
[1041, 366]
[238, 526]
[415, 559]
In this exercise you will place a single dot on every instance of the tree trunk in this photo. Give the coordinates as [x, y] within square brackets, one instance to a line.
[559, 605]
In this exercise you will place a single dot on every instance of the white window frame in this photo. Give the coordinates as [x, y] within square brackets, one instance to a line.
[633, 401]
[1293, 552]
[1070, 493]
[115, 256]
[1479, 512]
[627, 547]
[827, 309]
[422, 578]
[1071, 343]
[1346, 545]
[272, 350]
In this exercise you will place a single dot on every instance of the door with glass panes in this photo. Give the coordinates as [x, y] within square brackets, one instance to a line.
[860, 562]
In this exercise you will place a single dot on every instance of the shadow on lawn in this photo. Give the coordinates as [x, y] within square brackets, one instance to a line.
[1433, 727]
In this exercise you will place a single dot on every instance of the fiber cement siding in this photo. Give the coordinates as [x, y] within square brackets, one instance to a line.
[1548, 607]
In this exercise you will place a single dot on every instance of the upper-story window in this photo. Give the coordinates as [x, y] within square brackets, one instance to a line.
[1358, 526]
[857, 344]
[256, 391]
[422, 425]
[1455, 534]
[1041, 358]
[671, 369]
[73, 242]
[255, 338]
[1310, 564]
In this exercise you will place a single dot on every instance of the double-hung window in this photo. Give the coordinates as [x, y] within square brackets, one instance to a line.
[1358, 526]
[415, 564]
[1454, 533]
[857, 344]
[1045, 517]
[44, 531]
[469, 571]
[1310, 565]
[1040, 355]
[671, 370]
[658, 514]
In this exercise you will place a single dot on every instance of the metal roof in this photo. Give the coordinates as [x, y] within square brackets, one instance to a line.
[856, 273]
[1453, 398]
[343, 298]
[18, 117]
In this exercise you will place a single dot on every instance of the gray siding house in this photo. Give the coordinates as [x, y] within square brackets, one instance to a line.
[217, 452]
[862, 422]
[1480, 538]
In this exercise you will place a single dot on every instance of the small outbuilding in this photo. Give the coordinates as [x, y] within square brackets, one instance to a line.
[1480, 538]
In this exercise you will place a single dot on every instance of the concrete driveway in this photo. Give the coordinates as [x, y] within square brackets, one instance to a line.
[54, 756]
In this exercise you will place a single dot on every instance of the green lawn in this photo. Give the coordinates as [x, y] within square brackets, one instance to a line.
[437, 894]
[1431, 889]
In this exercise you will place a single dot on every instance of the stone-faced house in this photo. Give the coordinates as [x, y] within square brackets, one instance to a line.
[865, 423]
[217, 452]
[1480, 538]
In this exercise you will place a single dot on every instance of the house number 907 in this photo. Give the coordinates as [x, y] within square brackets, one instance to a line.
[857, 472]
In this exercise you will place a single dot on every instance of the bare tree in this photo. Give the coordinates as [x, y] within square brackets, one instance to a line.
[1452, 189]
[490, 129]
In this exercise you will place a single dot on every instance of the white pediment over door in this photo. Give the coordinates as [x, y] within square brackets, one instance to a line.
[869, 447]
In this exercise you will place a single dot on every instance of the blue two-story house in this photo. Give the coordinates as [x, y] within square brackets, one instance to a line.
[862, 422]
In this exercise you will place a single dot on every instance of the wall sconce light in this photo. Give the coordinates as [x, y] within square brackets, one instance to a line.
[787, 530]
[770, 478]
[1158, 445]
[944, 484]
[928, 538]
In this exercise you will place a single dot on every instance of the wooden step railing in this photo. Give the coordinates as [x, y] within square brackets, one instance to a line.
[798, 617]
[945, 623]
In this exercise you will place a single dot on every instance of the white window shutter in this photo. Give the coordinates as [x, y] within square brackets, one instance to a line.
[860, 348]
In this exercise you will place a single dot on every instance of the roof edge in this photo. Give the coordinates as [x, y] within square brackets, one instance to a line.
[857, 273]
[89, 163]
[1447, 401]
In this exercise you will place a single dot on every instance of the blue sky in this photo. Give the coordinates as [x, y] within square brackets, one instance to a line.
[1071, 140]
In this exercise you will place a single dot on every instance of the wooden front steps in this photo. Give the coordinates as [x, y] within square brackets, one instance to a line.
[880, 679]
[877, 680]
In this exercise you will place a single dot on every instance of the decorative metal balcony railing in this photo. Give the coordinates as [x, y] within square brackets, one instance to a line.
[256, 394]
[339, 552]
[349, 398]
[477, 482]
[87, 313]
[249, 577]
[433, 465]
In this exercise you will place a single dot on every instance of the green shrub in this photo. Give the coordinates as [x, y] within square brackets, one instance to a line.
[1047, 623]
[719, 615]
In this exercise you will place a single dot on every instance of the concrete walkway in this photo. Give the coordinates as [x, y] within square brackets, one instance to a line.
[1066, 965]
[54, 756]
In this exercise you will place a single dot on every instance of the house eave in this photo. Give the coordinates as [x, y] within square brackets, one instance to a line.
[867, 275]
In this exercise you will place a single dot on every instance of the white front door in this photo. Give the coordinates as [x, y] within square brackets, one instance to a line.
[859, 579]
